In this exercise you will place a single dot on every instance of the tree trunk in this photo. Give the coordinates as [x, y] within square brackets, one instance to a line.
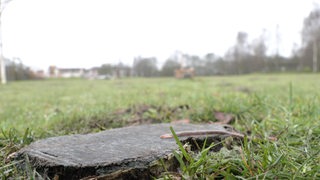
[315, 56]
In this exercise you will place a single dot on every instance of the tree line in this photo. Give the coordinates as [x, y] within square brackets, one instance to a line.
[243, 57]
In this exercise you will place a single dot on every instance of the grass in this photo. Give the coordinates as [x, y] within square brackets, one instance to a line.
[281, 105]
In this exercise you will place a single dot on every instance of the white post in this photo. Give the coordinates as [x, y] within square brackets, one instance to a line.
[2, 62]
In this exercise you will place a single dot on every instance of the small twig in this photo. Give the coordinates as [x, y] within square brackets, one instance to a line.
[205, 133]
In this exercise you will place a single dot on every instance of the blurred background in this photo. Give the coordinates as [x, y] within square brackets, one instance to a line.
[112, 39]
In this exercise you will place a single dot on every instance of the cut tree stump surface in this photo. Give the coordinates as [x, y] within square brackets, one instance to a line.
[104, 152]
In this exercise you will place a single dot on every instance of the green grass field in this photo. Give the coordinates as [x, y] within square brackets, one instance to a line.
[286, 106]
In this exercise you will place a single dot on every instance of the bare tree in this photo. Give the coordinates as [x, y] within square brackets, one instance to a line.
[240, 51]
[259, 50]
[169, 67]
[311, 35]
[2, 60]
[145, 67]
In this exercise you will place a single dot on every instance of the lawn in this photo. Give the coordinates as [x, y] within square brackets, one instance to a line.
[286, 106]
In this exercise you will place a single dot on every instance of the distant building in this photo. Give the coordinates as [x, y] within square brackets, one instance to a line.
[65, 72]
[91, 73]
[53, 71]
[70, 72]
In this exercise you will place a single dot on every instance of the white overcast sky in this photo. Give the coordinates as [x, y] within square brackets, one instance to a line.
[87, 33]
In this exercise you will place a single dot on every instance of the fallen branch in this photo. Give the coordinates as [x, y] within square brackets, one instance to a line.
[208, 132]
